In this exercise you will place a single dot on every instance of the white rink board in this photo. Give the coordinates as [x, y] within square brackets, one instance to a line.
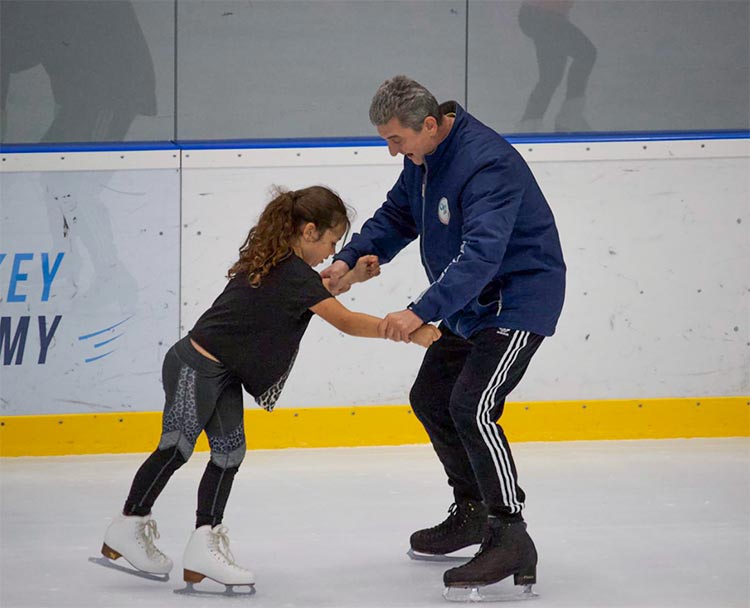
[657, 242]
[219, 207]
[656, 238]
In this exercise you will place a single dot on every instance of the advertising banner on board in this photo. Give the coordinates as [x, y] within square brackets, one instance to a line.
[89, 289]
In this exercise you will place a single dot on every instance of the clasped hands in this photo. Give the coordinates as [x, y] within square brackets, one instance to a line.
[402, 326]
[339, 279]
[406, 326]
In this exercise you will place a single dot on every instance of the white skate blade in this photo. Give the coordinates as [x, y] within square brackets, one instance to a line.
[229, 591]
[456, 556]
[107, 563]
[489, 593]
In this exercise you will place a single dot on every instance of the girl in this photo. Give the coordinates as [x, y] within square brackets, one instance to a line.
[248, 338]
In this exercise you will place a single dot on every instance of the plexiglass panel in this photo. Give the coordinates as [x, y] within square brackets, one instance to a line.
[308, 69]
[609, 65]
[87, 71]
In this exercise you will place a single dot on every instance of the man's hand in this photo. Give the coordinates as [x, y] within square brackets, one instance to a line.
[334, 273]
[425, 335]
[398, 326]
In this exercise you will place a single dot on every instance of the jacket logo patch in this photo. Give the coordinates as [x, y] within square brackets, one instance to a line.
[444, 212]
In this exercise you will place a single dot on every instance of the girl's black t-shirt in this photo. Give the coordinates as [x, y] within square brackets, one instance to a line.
[255, 331]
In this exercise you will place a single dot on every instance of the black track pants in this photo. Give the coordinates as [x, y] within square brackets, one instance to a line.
[200, 395]
[459, 395]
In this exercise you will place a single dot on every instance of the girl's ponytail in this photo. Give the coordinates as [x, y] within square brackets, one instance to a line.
[270, 241]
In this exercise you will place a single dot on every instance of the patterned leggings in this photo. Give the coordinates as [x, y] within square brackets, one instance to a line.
[201, 394]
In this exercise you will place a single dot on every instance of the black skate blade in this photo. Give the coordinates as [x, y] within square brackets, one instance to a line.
[429, 557]
[107, 563]
[489, 593]
[229, 591]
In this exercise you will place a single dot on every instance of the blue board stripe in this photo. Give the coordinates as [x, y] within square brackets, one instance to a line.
[354, 142]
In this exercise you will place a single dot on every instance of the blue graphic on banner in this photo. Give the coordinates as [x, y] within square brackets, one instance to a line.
[105, 342]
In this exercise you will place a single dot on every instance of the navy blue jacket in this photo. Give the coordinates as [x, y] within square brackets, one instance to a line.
[489, 242]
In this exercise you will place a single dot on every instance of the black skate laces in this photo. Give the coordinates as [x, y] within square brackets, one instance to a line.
[462, 513]
[457, 518]
[493, 532]
[487, 540]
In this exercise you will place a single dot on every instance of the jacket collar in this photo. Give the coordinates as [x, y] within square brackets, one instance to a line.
[449, 107]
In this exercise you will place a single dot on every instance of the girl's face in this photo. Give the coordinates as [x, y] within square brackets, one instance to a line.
[315, 247]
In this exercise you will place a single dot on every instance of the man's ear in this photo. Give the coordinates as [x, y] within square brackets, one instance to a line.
[430, 123]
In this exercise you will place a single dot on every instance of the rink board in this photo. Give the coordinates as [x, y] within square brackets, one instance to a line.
[386, 425]
[656, 304]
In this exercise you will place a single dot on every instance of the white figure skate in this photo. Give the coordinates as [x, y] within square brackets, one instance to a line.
[207, 555]
[132, 538]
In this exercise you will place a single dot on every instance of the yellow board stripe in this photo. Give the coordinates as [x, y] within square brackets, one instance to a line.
[53, 435]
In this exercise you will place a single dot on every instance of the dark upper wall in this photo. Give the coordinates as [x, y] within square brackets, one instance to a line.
[229, 69]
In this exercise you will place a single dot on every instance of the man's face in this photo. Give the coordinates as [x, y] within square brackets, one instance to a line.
[415, 145]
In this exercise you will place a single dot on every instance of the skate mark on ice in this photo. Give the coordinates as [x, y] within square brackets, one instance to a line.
[107, 563]
[489, 594]
[229, 591]
[429, 557]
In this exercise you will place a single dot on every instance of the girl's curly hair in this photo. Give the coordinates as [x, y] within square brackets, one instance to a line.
[270, 241]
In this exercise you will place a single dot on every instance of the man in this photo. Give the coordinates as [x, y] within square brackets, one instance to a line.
[492, 254]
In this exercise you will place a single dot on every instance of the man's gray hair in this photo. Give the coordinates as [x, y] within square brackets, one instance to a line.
[405, 99]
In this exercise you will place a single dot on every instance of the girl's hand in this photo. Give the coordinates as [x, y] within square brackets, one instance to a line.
[425, 335]
[366, 268]
[333, 277]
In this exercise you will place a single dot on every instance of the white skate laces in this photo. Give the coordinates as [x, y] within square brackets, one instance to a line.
[207, 555]
[218, 541]
[146, 532]
[132, 538]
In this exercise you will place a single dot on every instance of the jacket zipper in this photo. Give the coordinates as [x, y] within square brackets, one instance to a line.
[424, 225]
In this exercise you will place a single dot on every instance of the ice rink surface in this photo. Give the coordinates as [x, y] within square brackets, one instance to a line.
[617, 524]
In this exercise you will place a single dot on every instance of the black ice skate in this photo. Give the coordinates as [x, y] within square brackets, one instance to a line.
[507, 550]
[465, 525]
